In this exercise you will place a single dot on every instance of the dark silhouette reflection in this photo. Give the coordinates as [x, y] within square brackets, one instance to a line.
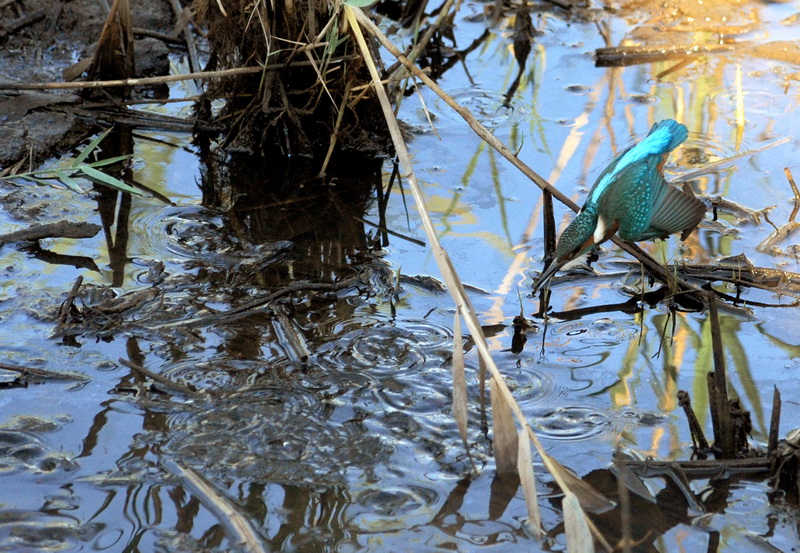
[53, 258]
[452, 522]
[651, 518]
[114, 207]
[265, 202]
[649, 521]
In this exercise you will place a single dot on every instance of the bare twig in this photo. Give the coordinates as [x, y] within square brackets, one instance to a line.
[709, 468]
[13, 26]
[42, 373]
[774, 422]
[285, 329]
[188, 37]
[698, 437]
[159, 80]
[718, 386]
[63, 313]
[139, 31]
[387, 231]
[617, 56]
[162, 380]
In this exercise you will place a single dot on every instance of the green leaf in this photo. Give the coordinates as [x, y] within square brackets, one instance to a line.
[107, 161]
[104, 178]
[69, 182]
[90, 148]
[359, 3]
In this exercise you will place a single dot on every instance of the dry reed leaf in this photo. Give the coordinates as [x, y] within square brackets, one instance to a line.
[579, 537]
[505, 432]
[113, 56]
[459, 380]
[503, 403]
[527, 480]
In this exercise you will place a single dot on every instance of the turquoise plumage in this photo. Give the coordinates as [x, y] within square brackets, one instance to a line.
[632, 198]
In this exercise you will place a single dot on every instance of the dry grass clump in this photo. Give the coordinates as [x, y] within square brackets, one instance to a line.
[303, 103]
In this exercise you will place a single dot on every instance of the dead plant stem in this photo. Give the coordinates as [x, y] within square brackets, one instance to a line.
[454, 284]
[159, 80]
[188, 37]
[227, 512]
[651, 265]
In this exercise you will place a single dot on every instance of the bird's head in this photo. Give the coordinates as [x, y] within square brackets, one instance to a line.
[581, 235]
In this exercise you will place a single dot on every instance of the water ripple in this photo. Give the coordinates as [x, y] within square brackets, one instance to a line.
[570, 423]
[383, 346]
[192, 233]
[488, 106]
[37, 531]
[278, 433]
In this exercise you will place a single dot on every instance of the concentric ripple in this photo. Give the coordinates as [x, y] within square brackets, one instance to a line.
[488, 106]
[284, 434]
[529, 384]
[570, 423]
[217, 375]
[44, 531]
[22, 449]
[182, 234]
[385, 346]
[702, 149]
[178, 233]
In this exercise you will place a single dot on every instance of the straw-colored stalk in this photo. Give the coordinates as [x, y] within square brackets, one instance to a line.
[503, 403]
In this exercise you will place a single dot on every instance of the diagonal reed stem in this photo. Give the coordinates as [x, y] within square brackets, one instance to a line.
[650, 264]
[454, 285]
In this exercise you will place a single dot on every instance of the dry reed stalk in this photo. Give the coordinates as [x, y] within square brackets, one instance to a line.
[219, 74]
[502, 398]
[527, 479]
[237, 525]
[506, 449]
[459, 380]
[579, 536]
[652, 266]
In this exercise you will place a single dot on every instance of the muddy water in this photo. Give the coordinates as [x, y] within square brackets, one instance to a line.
[327, 423]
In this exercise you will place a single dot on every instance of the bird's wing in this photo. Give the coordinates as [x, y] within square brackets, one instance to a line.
[673, 210]
[664, 137]
[626, 203]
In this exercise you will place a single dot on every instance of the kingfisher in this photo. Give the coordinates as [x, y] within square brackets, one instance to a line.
[632, 198]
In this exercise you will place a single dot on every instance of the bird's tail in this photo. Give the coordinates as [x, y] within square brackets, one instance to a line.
[664, 137]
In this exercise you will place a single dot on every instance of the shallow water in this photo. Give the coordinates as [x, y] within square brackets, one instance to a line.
[329, 427]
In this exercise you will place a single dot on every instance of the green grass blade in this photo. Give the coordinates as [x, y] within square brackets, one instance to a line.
[103, 178]
[90, 148]
[107, 161]
[69, 182]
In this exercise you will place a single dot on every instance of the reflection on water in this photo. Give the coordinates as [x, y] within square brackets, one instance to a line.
[325, 417]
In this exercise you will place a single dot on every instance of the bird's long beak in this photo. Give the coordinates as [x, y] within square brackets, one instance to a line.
[548, 273]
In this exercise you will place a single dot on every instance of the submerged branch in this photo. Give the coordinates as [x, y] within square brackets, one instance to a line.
[617, 56]
[787, 51]
[62, 229]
